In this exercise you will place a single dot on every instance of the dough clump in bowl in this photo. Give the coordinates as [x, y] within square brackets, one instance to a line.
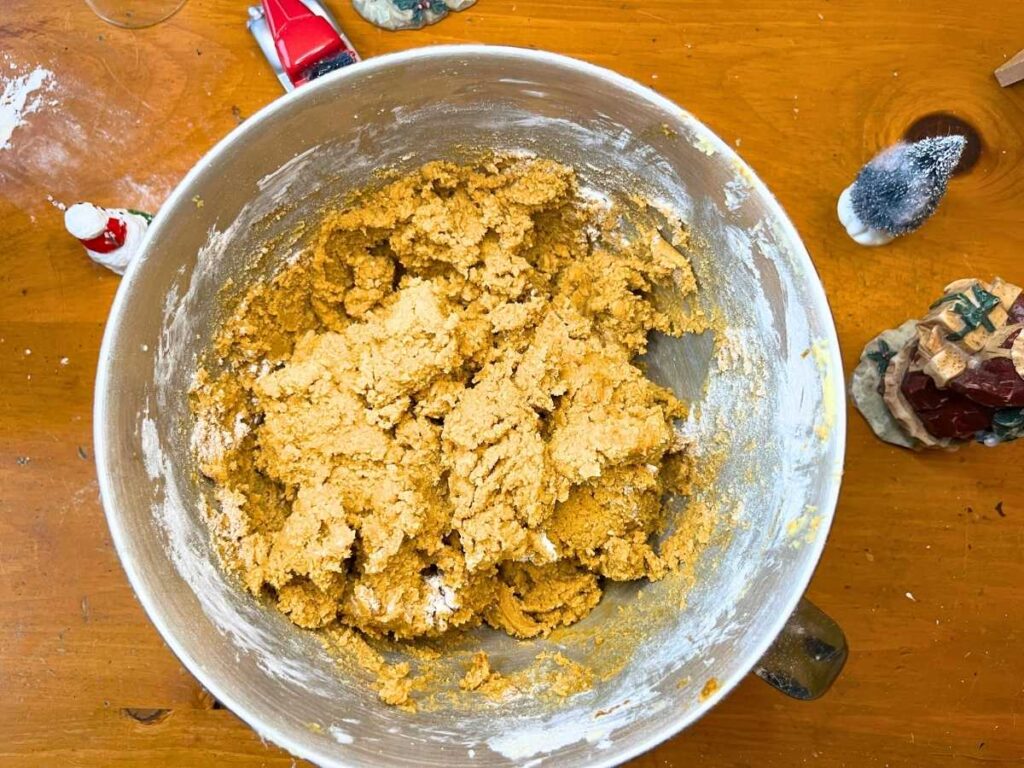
[433, 417]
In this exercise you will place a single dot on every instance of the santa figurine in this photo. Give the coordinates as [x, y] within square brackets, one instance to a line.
[957, 374]
[111, 236]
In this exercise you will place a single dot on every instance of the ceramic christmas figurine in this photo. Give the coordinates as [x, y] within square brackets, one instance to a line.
[111, 236]
[407, 14]
[955, 375]
[899, 189]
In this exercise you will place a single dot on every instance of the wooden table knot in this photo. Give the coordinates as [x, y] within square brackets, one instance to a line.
[146, 716]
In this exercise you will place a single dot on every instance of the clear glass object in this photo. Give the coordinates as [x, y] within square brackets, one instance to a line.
[135, 14]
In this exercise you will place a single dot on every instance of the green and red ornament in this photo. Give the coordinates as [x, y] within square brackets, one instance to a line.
[955, 375]
[407, 14]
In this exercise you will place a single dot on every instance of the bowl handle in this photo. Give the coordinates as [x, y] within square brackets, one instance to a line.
[807, 656]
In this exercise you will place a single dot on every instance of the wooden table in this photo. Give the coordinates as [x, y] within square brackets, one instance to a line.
[925, 565]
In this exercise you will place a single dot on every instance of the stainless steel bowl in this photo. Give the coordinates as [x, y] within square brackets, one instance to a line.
[778, 405]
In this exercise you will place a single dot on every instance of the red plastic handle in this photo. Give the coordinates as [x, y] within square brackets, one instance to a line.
[301, 37]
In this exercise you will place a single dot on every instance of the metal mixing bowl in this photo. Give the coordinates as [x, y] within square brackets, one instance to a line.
[777, 406]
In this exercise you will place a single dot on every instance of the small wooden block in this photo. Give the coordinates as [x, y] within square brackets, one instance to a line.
[1012, 71]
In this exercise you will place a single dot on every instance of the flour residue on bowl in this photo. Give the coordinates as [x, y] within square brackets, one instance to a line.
[598, 726]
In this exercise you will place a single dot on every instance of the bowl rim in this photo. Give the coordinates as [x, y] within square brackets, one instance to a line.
[832, 365]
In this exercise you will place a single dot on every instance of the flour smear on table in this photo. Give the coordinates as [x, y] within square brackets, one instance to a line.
[47, 120]
[23, 94]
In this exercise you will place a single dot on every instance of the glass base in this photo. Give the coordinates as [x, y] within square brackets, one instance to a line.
[134, 14]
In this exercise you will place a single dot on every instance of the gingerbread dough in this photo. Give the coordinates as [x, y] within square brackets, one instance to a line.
[432, 418]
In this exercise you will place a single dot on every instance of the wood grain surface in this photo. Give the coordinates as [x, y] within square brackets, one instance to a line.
[925, 565]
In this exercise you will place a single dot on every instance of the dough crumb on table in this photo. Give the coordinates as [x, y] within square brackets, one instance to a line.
[432, 419]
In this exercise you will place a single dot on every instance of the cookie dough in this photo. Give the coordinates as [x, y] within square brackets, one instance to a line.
[433, 418]
[481, 677]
